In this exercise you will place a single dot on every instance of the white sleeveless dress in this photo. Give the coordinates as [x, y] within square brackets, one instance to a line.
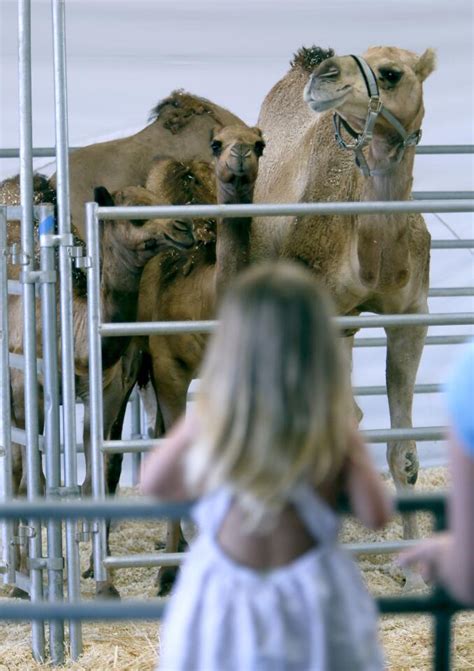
[313, 614]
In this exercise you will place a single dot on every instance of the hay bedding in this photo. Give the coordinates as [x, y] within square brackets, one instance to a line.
[132, 646]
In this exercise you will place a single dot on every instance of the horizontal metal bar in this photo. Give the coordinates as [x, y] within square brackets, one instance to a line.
[452, 244]
[429, 340]
[112, 508]
[451, 291]
[18, 361]
[284, 209]
[84, 610]
[41, 152]
[14, 152]
[38, 152]
[420, 434]
[156, 559]
[369, 321]
[19, 436]
[145, 560]
[130, 446]
[90, 509]
[15, 287]
[442, 195]
[445, 149]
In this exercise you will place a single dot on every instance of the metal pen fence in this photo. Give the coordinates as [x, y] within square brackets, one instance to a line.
[42, 283]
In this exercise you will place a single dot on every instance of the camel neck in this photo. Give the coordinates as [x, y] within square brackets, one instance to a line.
[120, 282]
[233, 234]
[395, 182]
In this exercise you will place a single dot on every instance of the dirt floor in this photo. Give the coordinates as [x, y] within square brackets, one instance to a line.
[133, 646]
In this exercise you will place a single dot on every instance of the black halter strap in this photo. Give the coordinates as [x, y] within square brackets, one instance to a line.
[375, 109]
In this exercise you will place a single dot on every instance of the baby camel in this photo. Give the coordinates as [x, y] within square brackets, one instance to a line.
[174, 287]
[126, 246]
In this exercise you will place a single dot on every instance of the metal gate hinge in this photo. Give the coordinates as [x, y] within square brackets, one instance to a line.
[49, 563]
[17, 255]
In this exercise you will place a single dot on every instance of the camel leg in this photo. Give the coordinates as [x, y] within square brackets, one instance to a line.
[348, 345]
[171, 403]
[404, 349]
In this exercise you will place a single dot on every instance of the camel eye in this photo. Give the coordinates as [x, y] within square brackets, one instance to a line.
[216, 146]
[391, 76]
[259, 146]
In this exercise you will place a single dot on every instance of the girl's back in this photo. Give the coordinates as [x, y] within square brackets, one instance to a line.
[268, 451]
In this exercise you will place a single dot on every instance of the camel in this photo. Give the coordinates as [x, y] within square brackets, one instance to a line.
[377, 263]
[126, 246]
[175, 287]
[180, 128]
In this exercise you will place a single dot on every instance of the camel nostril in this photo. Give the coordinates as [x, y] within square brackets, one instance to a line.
[181, 226]
[327, 70]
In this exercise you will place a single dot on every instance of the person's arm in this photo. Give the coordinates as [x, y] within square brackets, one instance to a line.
[162, 473]
[449, 557]
[368, 496]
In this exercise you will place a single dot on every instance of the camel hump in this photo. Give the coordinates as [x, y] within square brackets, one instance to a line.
[43, 191]
[308, 58]
[180, 108]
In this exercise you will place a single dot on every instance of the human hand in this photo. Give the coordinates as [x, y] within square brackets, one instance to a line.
[428, 556]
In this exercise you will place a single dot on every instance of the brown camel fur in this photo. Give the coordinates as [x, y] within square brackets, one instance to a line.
[125, 249]
[175, 287]
[377, 263]
[180, 128]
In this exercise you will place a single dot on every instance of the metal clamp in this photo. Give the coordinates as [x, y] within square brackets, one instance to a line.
[49, 563]
[38, 276]
[83, 535]
[24, 533]
[56, 240]
[83, 261]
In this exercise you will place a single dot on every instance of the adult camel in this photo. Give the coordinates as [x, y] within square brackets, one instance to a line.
[180, 128]
[126, 247]
[377, 263]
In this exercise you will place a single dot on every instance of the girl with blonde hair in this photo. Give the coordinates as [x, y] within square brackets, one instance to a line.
[269, 450]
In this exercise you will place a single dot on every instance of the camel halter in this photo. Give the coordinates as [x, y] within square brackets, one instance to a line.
[375, 109]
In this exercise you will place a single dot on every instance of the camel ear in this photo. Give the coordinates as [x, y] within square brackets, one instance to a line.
[102, 197]
[425, 64]
[257, 130]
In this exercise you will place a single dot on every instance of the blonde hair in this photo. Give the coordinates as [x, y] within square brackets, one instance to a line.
[273, 403]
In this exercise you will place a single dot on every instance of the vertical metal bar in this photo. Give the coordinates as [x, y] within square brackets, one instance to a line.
[52, 449]
[33, 461]
[66, 300]
[95, 386]
[8, 549]
[442, 618]
[136, 432]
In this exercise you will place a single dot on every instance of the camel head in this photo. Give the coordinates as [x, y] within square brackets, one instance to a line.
[237, 150]
[142, 238]
[338, 83]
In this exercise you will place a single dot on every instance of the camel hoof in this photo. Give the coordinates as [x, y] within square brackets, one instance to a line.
[105, 590]
[17, 593]
[165, 580]
[88, 573]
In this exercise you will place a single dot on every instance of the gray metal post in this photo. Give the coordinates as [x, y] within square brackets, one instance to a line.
[33, 462]
[136, 432]
[8, 549]
[67, 332]
[95, 387]
[52, 447]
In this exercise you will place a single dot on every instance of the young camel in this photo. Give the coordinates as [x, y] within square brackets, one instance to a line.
[377, 263]
[180, 128]
[177, 288]
[126, 247]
